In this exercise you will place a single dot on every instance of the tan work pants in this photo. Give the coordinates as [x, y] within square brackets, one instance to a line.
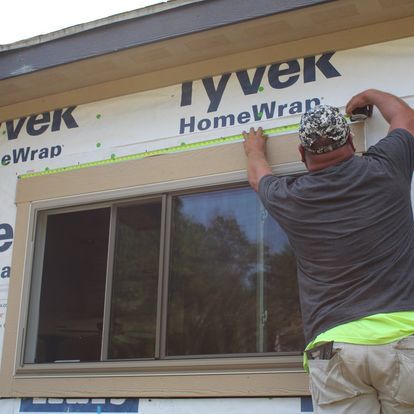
[365, 379]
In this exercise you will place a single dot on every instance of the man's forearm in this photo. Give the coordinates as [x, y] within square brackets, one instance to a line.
[257, 167]
[255, 149]
[390, 106]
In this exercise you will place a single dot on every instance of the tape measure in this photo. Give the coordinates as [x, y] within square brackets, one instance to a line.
[162, 151]
[169, 150]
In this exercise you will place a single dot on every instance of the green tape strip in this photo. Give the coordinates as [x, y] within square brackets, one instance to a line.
[178, 148]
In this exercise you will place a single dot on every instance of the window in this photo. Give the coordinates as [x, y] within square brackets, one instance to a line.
[232, 280]
[181, 275]
[67, 316]
[133, 317]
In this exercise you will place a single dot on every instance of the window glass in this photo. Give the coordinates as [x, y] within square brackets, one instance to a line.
[232, 285]
[231, 281]
[135, 281]
[73, 286]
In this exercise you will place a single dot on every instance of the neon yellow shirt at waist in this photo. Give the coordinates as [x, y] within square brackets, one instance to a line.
[378, 329]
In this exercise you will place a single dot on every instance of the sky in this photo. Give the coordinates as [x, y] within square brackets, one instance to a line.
[22, 19]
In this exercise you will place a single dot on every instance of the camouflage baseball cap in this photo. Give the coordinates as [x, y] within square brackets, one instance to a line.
[323, 121]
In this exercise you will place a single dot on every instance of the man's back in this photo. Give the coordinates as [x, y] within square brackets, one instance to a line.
[352, 229]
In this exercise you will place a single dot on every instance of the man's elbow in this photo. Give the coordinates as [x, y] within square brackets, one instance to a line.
[404, 120]
[254, 183]
[254, 179]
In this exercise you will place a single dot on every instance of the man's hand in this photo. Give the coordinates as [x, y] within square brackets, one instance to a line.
[255, 149]
[394, 110]
[254, 141]
[358, 101]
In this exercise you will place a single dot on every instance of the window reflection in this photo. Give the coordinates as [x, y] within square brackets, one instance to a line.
[232, 286]
[135, 281]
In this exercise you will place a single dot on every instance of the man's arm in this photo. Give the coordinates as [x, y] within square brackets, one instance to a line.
[394, 110]
[255, 148]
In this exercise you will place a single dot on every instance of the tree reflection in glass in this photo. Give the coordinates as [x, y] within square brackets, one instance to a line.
[232, 284]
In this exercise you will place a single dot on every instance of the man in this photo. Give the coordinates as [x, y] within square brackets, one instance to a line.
[349, 220]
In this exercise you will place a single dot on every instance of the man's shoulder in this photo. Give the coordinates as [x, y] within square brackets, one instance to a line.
[272, 184]
[394, 138]
[397, 144]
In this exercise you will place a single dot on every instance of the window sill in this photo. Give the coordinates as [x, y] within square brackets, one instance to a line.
[168, 367]
[270, 376]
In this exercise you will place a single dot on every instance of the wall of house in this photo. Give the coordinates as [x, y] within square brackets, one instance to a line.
[189, 117]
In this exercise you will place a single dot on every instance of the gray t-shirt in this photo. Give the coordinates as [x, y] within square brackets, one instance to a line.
[351, 227]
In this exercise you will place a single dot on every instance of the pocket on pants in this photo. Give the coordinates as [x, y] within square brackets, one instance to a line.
[327, 382]
[405, 375]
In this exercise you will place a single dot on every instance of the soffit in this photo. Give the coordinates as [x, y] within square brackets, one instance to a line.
[206, 53]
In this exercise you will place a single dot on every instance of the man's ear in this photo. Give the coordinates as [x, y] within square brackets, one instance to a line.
[302, 153]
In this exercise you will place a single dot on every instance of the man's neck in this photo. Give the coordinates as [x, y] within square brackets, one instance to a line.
[316, 162]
